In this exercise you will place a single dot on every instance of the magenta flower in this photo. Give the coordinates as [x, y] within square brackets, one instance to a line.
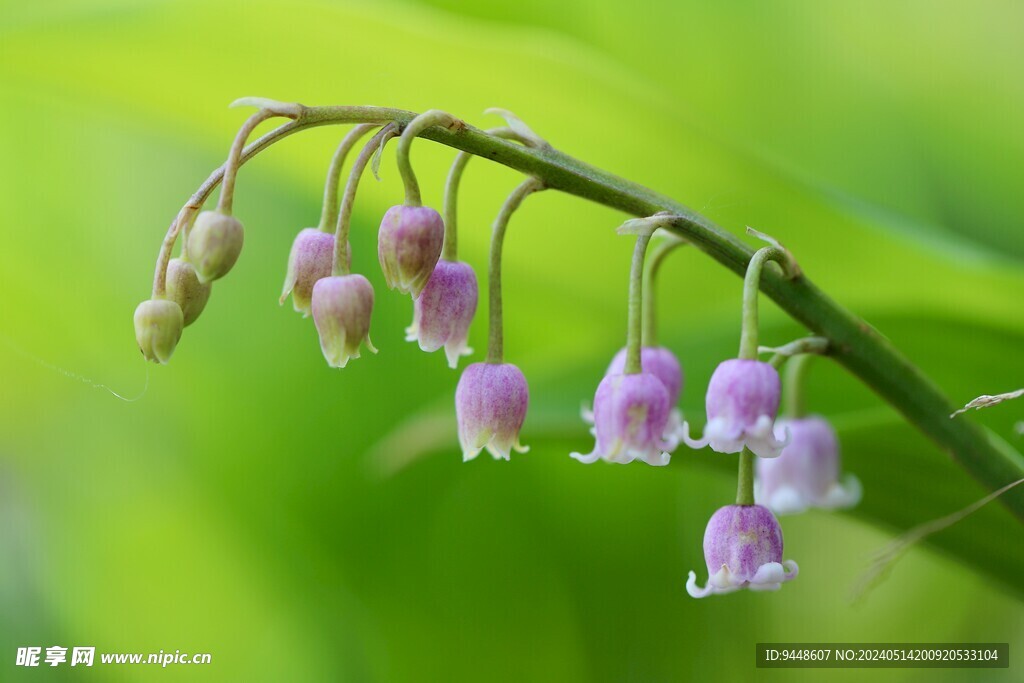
[342, 306]
[806, 473]
[311, 258]
[743, 549]
[742, 402]
[663, 364]
[444, 310]
[490, 403]
[408, 246]
[630, 416]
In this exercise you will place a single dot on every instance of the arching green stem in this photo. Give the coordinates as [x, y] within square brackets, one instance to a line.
[751, 288]
[495, 339]
[853, 343]
[227, 193]
[341, 264]
[657, 257]
[451, 194]
[329, 211]
[428, 119]
[796, 370]
[636, 296]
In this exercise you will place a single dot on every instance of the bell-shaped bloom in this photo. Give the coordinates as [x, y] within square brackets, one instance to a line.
[408, 246]
[663, 364]
[806, 474]
[742, 402]
[311, 258]
[158, 326]
[342, 306]
[743, 549]
[630, 416]
[214, 243]
[490, 402]
[185, 289]
[445, 308]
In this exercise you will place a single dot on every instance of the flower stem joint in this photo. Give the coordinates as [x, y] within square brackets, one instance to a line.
[490, 403]
[743, 549]
[342, 306]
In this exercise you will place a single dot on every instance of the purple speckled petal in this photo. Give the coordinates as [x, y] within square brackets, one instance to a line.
[311, 258]
[444, 310]
[409, 245]
[490, 403]
[742, 549]
[631, 413]
[806, 473]
[742, 401]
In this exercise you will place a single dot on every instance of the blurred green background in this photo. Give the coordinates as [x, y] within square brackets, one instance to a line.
[304, 524]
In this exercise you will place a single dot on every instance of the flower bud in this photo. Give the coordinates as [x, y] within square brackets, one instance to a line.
[630, 416]
[214, 243]
[742, 401]
[185, 289]
[311, 259]
[490, 403]
[342, 306]
[444, 310]
[806, 473]
[743, 549]
[158, 325]
[408, 246]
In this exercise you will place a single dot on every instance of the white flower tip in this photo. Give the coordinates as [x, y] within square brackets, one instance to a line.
[694, 590]
[585, 459]
[845, 494]
[695, 444]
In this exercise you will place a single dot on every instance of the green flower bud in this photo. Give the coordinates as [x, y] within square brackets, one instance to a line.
[185, 289]
[158, 325]
[214, 244]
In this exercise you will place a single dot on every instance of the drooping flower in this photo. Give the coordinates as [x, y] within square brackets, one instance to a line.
[342, 306]
[185, 289]
[806, 473]
[742, 402]
[311, 258]
[743, 549]
[662, 363]
[630, 416]
[158, 326]
[444, 310]
[409, 246]
[214, 243]
[490, 402]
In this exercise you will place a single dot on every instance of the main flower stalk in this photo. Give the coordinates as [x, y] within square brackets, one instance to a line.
[855, 345]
